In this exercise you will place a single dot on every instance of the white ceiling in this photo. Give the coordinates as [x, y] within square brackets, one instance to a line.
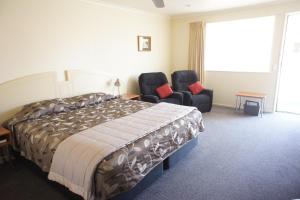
[177, 7]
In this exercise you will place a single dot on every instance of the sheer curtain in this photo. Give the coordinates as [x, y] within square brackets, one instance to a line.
[196, 49]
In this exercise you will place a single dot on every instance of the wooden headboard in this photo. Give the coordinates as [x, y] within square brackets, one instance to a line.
[36, 87]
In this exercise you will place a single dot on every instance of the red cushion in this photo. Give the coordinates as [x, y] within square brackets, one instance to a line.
[196, 88]
[164, 91]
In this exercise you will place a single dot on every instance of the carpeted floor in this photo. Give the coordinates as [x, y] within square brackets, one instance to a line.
[238, 158]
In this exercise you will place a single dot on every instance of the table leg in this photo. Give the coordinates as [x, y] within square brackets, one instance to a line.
[240, 103]
[2, 154]
[263, 106]
[236, 102]
[5, 154]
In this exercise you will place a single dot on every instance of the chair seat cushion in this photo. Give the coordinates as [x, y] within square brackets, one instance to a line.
[196, 88]
[171, 100]
[164, 91]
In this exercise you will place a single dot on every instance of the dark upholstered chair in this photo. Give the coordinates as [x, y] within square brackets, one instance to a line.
[149, 82]
[181, 80]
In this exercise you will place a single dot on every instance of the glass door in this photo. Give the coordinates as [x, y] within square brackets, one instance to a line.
[288, 99]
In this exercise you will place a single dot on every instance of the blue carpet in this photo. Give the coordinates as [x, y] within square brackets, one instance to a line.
[238, 158]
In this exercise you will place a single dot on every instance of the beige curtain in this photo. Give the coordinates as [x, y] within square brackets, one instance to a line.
[196, 49]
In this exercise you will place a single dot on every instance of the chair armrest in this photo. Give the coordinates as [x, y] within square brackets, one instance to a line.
[208, 92]
[187, 98]
[177, 95]
[150, 98]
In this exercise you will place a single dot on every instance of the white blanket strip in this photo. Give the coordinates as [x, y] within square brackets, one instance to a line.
[77, 157]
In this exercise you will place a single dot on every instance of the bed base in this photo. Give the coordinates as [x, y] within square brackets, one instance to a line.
[158, 171]
[173, 159]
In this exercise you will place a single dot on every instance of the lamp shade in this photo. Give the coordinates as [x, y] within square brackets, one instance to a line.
[117, 83]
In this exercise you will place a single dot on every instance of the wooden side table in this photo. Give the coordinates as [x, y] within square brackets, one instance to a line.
[260, 96]
[5, 140]
[130, 96]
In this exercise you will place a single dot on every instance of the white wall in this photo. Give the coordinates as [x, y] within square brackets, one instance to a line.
[54, 35]
[226, 84]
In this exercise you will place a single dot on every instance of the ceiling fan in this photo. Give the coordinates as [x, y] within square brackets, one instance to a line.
[159, 3]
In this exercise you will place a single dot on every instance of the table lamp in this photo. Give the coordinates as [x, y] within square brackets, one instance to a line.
[118, 84]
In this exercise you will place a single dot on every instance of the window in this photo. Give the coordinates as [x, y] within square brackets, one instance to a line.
[241, 45]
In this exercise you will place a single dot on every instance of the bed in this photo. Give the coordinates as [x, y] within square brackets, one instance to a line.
[44, 128]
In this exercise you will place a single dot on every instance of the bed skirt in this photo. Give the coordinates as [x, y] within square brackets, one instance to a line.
[146, 182]
[158, 171]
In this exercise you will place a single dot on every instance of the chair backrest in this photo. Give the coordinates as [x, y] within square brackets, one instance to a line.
[148, 82]
[182, 79]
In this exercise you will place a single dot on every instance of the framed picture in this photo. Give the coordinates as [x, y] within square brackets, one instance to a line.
[144, 43]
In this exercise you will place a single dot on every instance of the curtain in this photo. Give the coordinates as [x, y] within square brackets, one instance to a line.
[196, 49]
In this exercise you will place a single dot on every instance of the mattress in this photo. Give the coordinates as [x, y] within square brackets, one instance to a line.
[40, 127]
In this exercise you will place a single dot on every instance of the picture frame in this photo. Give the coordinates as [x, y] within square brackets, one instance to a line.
[144, 43]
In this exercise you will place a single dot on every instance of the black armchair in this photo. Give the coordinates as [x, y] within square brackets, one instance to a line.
[181, 80]
[148, 83]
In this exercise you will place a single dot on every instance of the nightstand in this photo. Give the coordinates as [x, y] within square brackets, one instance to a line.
[5, 140]
[130, 96]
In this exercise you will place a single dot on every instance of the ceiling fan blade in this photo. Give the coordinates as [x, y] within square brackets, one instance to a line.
[159, 3]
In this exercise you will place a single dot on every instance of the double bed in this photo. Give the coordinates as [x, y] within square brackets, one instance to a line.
[40, 128]
[63, 136]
